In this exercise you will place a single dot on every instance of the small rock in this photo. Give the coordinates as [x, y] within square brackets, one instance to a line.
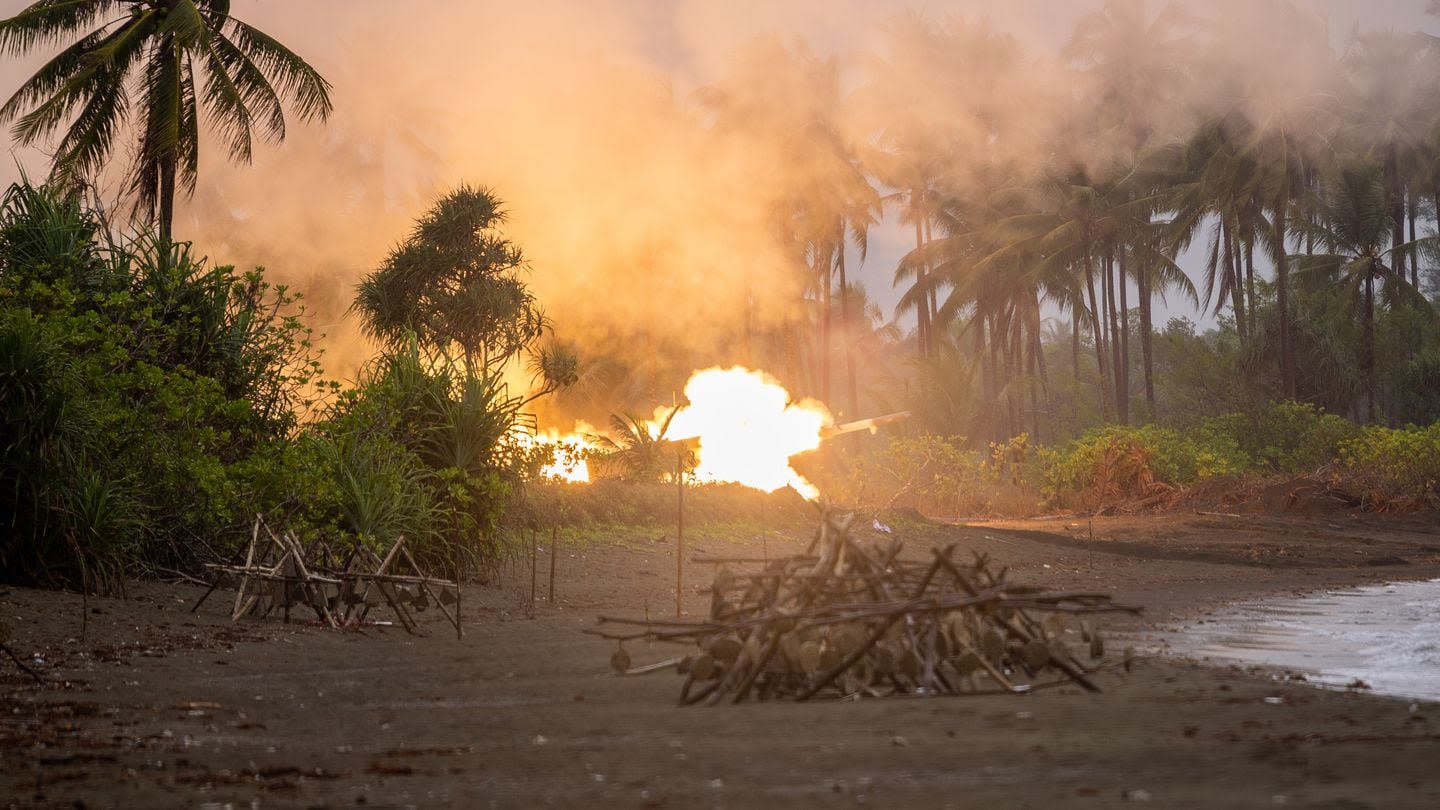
[899, 740]
[1136, 795]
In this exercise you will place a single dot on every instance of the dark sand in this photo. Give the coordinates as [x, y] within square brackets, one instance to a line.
[159, 708]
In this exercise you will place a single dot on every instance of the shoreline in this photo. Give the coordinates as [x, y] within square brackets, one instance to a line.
[166, 709]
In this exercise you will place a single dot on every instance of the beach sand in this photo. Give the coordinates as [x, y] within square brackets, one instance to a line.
[157, 707]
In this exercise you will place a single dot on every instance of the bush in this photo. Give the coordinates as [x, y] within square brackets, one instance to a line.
[1116, 463]
[938, 475]
[148, 398]
[1394, 466]
[1283, 437]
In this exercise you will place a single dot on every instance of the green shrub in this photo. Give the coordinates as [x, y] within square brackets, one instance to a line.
[1286, 437]
[1113, 463]
[148, 398]
[1394, 464]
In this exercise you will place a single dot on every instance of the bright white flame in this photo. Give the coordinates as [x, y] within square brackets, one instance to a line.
[748, 429]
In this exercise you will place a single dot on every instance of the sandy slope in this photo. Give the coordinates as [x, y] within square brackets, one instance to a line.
[159, 708]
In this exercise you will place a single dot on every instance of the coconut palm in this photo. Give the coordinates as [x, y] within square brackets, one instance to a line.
[1138, 66]
[1355, 231]
[971, 73]
[157, 63]
[789, 103]
[1389, 109]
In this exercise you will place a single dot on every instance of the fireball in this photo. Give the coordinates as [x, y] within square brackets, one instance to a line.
[747, 429]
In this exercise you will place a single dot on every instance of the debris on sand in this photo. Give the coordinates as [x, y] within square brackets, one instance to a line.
[846, 620]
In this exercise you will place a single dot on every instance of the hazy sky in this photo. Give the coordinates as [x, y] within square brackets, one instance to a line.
[566, 107]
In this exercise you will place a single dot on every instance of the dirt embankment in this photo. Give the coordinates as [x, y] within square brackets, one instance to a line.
[156, 707]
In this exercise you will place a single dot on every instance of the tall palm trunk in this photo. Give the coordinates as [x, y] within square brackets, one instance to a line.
[1097, 332]
[1146, 350]
[1414, 257]
[1282, 297]
[1108, 282]
[1249, 245]
[167, 196]
[1237, 290]
[931, 299]
[1075, 309]
[1396, 192]
[846, 330]
[1123, 377]
[1037, 350]
[822, 268]
[1367, 348]
[922, 307]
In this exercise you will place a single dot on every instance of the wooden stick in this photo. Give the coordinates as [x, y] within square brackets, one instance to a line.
[855, 655]
[249, 558]
[679, 529]
[425, 585]
[758, 668]
[554, 543]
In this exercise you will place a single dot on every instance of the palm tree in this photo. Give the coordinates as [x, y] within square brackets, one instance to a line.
[789, 101]
[972, 73]
[1221, 186]
[1356, 231]
[1138, 65]
[641, 452]
[1390, 109]
[178, 56]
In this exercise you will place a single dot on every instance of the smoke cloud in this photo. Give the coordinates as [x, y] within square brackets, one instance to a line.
[644, 148]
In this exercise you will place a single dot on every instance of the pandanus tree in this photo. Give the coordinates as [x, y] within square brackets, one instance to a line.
[156, 65]
[1354, 232]
[455, 286]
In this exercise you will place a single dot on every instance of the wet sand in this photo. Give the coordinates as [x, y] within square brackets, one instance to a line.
[160, 708]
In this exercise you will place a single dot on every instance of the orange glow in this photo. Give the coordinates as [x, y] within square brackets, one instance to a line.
[570, 452]
[742, 424]
[748, 429]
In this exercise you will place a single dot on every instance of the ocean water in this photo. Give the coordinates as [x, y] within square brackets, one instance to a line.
[1385, 635]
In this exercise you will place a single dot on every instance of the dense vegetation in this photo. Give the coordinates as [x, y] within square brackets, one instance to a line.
[152, 404]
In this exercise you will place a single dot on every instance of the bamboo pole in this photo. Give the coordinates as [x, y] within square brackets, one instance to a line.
[554, 542]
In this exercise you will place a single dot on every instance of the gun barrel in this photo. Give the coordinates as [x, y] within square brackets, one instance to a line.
[872, 424]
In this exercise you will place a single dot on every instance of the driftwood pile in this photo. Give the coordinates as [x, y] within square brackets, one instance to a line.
[280, 572]
[847, 620]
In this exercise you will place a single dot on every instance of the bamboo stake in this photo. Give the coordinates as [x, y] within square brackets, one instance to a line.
[426, 585]
[249, 558]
